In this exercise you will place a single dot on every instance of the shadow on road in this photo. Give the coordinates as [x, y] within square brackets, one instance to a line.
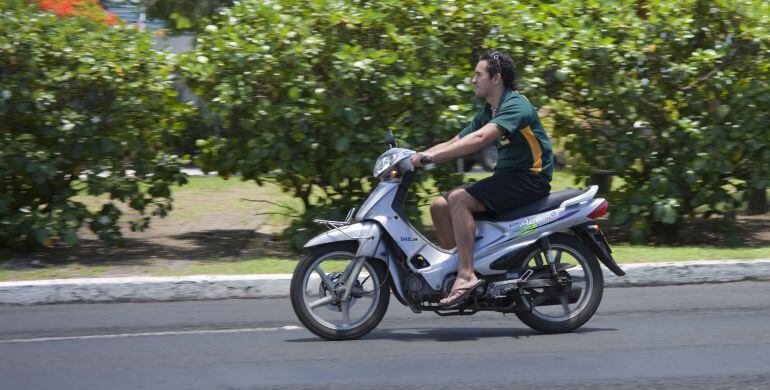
[452, 334]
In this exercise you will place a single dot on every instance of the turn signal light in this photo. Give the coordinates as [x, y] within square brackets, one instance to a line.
[599, 211]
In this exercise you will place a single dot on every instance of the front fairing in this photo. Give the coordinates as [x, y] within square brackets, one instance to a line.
[381, 199]
[383, 193]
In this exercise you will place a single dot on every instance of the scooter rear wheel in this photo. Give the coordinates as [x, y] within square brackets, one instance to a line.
[552, 310]
[316, 289]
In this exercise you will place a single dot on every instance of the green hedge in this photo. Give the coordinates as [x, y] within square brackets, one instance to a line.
[84, 108]
[305, 90]
[670, 95]
[675, 99]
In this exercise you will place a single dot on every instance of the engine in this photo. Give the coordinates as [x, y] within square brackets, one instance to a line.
[497, 293]
[420, 291]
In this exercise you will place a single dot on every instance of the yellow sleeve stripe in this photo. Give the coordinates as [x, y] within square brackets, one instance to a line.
[534, 145]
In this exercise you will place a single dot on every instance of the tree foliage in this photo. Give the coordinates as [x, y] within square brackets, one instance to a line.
[84, 108]
[184, 15]
[306, 90]
[672, 96]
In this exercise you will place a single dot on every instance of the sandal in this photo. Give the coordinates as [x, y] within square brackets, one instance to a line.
[466, 293]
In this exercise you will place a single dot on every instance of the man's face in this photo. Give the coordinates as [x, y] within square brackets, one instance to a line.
[482, 81]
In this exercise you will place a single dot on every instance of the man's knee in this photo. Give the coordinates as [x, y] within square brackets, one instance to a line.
[439, 206]
[462, 200]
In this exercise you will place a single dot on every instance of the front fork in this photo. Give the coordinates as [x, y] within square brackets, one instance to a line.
[350, 276]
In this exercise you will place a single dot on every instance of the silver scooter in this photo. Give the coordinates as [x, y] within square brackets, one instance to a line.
[539, 261]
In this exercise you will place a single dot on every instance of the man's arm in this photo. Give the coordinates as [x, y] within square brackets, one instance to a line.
[439, 147]
[458, 147]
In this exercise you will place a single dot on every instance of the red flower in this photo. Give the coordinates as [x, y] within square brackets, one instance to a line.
[87, 8]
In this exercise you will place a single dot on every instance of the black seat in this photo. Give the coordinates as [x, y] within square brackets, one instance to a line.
[550, 202]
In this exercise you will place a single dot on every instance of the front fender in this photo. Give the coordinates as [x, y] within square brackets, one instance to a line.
[366, 233]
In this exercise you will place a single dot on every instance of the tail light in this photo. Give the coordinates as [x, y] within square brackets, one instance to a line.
[599, 211]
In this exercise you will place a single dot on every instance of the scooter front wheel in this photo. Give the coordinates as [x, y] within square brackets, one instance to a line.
[318, 289]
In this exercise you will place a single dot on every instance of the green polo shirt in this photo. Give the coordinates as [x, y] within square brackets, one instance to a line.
[523, 145]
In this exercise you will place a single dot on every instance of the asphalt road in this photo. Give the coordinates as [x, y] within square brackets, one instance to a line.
[683, 337]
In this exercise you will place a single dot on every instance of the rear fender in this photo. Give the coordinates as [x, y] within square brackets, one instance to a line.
[598, 245]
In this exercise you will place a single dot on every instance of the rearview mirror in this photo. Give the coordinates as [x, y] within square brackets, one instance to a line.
[390, 140]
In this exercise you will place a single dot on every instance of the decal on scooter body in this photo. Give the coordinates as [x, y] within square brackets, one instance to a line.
[528, 224]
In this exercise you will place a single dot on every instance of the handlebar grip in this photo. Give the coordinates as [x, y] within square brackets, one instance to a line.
[426, 160]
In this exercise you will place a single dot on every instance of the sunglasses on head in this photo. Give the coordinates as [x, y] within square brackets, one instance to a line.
[496, 56]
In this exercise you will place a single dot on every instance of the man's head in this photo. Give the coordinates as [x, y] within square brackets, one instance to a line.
[495, 70]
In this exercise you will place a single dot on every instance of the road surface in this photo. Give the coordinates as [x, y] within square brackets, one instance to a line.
[683, 337]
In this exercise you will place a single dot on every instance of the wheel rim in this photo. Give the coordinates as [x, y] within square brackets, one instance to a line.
[580, 277]
[322, 302]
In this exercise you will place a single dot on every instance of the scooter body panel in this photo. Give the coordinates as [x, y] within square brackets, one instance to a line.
[493, 239]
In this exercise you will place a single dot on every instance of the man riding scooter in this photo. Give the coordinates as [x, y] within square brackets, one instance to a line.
[522, 175]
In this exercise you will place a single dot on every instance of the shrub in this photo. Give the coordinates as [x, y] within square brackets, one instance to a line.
[672, 96]
[306, 90]
[85, 107]
[675, 99]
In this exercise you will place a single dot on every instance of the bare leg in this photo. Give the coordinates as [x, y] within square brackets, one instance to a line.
[461, 208]
[442, 222]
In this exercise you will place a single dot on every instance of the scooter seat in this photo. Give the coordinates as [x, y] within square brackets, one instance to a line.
[550, 202]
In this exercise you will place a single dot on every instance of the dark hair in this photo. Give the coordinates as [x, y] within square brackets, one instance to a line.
[499, 62]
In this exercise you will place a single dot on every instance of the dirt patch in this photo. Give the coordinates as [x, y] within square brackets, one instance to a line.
[217, 224]
[749, 230]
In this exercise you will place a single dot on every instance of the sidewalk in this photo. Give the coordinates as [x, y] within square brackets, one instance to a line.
[208, 287]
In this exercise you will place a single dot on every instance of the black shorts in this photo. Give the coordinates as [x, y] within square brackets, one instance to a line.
[507, 190]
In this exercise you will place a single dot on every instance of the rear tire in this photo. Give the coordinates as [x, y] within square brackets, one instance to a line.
[590, 274]
[312, 319]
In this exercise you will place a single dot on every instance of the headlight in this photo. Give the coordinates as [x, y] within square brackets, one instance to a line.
[383, 163]
[389, 159]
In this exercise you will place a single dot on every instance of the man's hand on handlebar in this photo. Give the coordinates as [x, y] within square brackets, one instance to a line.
[419, 160]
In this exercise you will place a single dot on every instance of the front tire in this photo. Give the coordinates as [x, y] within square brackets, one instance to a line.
[549, 310]
[314, 293]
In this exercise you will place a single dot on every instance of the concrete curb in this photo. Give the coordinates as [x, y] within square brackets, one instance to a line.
[688, 272]
[144, 289]
[209, 287]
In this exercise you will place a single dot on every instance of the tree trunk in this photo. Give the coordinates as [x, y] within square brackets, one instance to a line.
[757, 202]
[603, 179]
[667, 234]
[641, 9]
